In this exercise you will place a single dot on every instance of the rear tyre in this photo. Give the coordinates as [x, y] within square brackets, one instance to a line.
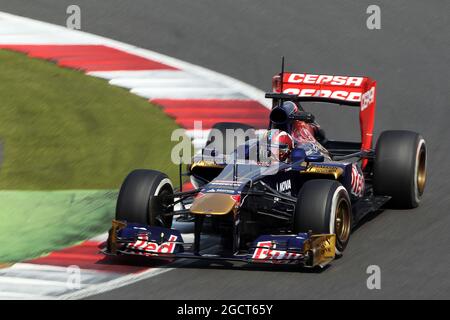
[400, 167]
[139, 198]
[323, 206]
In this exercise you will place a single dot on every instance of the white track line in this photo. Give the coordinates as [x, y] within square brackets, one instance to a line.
[32, 281]
[128, 279]
[143, 74]
[35, 281]
[114, 284]
[189, 93]
[54, 273]
[158, 82]
[6, 295]
[15, 281]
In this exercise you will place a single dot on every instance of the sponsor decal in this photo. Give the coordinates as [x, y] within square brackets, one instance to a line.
[326, 248]
[334, 171]
[225, 183]
[358, 183]
[346, 88]
[367, 98]
[325, 79]
[284, 186]
[142, 244]
[265, 251]
[332, 94]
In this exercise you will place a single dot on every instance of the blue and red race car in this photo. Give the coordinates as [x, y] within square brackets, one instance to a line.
[299, 208]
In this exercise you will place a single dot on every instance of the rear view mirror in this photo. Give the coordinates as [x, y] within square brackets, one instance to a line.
[315, 158]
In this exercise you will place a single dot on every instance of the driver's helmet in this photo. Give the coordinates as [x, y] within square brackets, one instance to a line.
[280, 144]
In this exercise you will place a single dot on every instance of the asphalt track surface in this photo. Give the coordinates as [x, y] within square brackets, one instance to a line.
[409, 57]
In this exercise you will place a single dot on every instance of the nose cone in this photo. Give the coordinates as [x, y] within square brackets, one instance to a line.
[213, 203]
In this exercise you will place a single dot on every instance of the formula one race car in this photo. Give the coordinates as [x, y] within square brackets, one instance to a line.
[286, 195]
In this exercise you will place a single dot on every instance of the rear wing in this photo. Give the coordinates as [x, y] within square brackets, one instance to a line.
[343, 90]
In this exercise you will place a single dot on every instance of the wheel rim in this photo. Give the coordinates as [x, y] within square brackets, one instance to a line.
[161, 221]
[342, 221]
[421, 170]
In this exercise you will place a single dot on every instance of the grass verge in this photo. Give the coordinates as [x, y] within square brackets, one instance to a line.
[37, 222]
[61, 129]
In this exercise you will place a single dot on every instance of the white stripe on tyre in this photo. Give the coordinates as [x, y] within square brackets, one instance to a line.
[333, 211]
[161, 184]
[416, 169]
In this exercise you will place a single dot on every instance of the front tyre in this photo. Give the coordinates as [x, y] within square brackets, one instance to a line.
[141, 198]
[400, 167]
[323, 206]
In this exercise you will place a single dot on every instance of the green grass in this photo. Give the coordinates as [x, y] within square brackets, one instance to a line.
[61, 129]
[34, 223]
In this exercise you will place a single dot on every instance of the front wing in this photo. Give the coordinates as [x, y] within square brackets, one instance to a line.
[306, 249]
